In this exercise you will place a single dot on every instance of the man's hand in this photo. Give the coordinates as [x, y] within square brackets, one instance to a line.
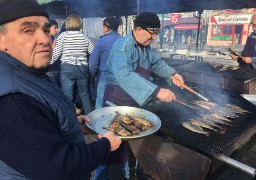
[165, 95]
[247, 59]
[115, 141]
[234, 57]
[176, 79]
[82, 119]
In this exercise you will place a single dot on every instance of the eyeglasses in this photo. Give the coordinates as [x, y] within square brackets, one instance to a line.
[152, 33]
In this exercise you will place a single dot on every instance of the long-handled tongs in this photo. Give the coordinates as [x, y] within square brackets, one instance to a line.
[183, 103]
[191, 90]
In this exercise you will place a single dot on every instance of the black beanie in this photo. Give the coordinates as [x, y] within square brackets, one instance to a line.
[147, 20]
[111, 23]
[15, 9]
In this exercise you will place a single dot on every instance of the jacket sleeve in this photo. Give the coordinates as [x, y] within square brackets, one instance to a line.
[94, 60]
[31, 144]
[160, 67]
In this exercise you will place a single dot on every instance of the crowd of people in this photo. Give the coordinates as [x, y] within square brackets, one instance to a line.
[41, 136]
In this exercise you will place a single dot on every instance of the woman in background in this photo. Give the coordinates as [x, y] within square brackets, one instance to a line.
[73, 48]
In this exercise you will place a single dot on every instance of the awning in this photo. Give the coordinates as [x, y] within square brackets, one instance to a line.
[187, 27]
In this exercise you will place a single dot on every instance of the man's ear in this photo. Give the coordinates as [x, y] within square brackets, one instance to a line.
[2, 44]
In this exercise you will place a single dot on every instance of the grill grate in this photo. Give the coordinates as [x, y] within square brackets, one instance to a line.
[173, 114]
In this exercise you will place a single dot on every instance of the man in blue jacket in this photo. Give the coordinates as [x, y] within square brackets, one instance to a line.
[129, 67]
[40, 135]
[101, 50]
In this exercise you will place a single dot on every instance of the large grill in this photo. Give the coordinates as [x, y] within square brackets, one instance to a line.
[202, 78]
[172, 115]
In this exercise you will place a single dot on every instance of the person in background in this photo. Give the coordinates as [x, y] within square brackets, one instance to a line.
[128, 74]
[40, 135]
[98, 58]
[248, 55]
[73, 47]
[53, 31]
[54, 70]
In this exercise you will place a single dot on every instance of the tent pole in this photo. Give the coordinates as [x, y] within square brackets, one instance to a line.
[198, 28]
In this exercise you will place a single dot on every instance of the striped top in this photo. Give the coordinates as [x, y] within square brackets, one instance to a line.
[72, 47]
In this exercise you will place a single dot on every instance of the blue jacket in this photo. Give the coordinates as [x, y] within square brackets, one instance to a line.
[98, 58]
[42, 126]
[121, 65]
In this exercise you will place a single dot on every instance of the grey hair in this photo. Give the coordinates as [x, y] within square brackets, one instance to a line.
[3, 29]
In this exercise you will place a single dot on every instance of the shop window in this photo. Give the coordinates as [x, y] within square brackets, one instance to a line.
[222, 30]
[227, 29]
[217, 30]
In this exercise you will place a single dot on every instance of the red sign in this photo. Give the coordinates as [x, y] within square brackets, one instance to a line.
[175, 18]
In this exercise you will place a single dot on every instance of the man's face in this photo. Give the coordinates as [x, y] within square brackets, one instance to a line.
[146, 36]
[28, 40]
[54, 30]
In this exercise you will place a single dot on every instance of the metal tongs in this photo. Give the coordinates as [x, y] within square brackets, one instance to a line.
[191, 90]
[184, 104]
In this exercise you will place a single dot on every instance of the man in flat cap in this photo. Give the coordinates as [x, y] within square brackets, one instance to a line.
[40, 135]
[101, 50]
[129, 67]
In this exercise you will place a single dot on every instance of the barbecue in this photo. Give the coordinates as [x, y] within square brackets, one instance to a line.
[232, 117]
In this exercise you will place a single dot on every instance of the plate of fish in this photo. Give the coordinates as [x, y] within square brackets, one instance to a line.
[126, 122]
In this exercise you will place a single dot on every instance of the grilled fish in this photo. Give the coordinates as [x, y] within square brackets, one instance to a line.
[223, 112]
[209, 122]
[216, 120]
[124, 118]
[143, 121]
[237, 108]
[194, 128]
[115, 122]
[202, 124]
[140, 126]
[214, 115]
[205, 104]
[131, 128]
[119, 131]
